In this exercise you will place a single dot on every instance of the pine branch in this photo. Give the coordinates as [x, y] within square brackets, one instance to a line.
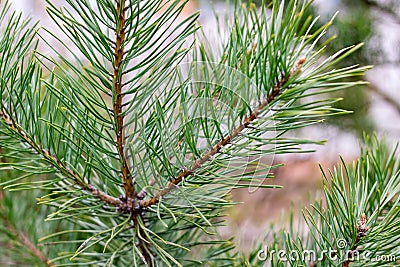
[118, 84]
[385, 9]
[56, 162]
[26, 242]
[227, 139]
[362, 229]
[22, 238]
[89, 137]
[396, 105]
[119, 118]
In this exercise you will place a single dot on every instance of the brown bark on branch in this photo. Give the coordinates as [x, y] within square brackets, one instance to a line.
[23, 239]
[118, 103]
[126, 204]
[56, 162]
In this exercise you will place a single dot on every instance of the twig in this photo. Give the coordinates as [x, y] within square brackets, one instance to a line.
[118, 84]
[385, 9]
[385, 97]
[129, 202]
[362, 230]
[23, 239]
[56, 162]
[226, 140]
[26, 242]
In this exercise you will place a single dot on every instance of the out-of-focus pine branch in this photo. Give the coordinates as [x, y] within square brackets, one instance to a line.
[356, 224]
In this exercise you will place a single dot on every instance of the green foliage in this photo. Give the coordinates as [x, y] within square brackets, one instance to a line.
[22, 226]
[358, 225]
[135, 136]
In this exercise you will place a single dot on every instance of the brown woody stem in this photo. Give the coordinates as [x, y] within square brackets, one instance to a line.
[26, 242]
[362, 230]
[56, 162]
[226, 140]
[118, 104]
[130, 198]
[23, 238]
